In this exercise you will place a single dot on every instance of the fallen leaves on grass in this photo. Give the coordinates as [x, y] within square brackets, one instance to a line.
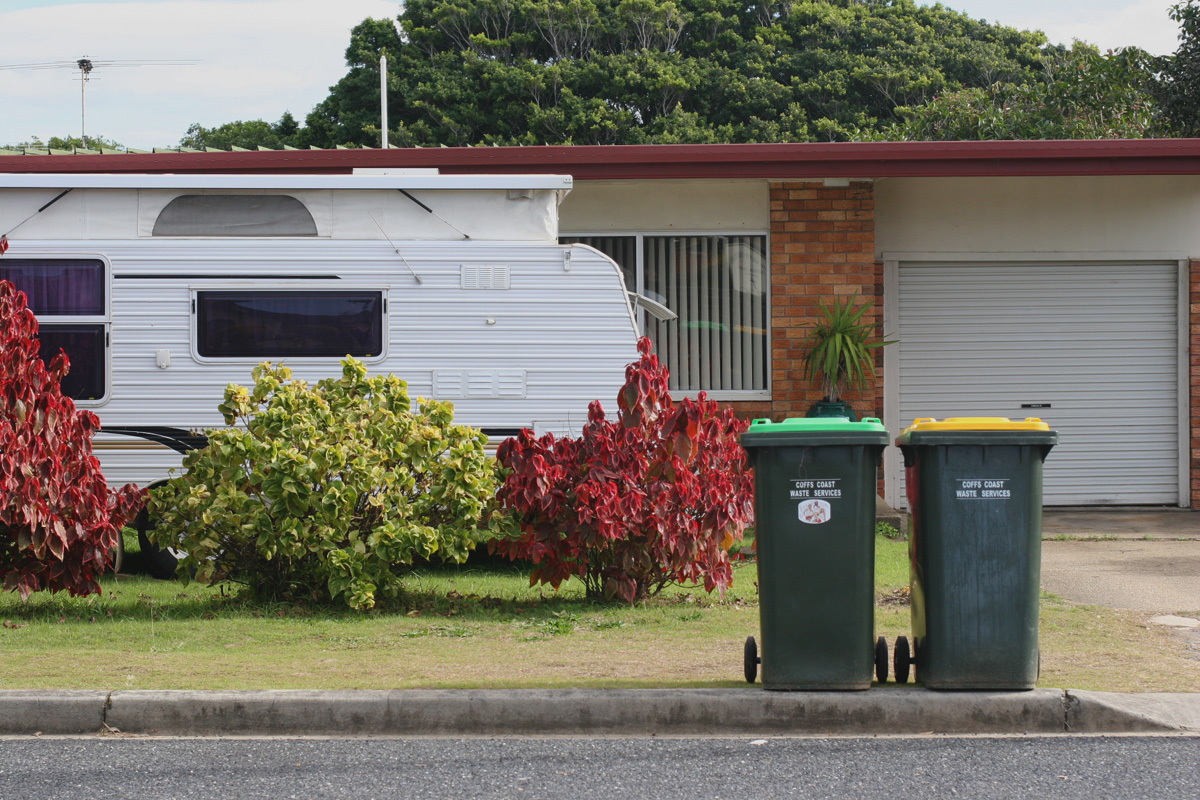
[896, 597]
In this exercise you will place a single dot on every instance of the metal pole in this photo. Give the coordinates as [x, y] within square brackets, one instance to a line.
[383, 97]
[83, 109]
[85, 67]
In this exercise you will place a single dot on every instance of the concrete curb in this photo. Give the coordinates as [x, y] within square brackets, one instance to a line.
[571, 712]
[583, 712]
[52, 711]
[1110, 712]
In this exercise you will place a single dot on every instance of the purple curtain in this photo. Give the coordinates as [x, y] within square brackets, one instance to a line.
[58, 287]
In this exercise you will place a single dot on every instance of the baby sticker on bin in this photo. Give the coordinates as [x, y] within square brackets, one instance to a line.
[814, 512]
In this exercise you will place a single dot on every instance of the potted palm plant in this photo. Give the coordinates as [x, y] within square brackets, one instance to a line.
[840, 354]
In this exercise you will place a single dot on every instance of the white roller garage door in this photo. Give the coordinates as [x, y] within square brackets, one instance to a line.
[1093, 349]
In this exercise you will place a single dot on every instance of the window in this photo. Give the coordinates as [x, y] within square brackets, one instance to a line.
[235, 215]
[308, 323]
[69, 298]
[84, 346]
[717, 285]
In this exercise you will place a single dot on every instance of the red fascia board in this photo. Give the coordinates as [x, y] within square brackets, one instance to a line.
[771, 161]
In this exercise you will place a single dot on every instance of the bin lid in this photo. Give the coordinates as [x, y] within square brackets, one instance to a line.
[814, 430]
[976, 424]
[978, 430]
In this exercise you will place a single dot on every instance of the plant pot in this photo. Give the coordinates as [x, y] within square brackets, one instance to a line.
[825, 408]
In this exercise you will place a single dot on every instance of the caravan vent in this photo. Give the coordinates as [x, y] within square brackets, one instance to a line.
[484, 276]
[460, 383]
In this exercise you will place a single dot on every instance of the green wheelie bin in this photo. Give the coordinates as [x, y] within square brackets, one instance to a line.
[814, 503]
[974, 487]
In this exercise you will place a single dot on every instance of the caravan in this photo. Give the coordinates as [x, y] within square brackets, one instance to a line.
[163, 289]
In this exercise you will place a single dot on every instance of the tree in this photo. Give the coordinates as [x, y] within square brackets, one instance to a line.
[247, 134]
[59, 522]
[464, 72]
[69, 143]
[1082, 94]
[1180, 86]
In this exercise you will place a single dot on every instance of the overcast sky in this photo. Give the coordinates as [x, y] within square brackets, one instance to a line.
[259, 58]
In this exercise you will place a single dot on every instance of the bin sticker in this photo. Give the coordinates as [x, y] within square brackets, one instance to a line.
[813, 487]
[982, 489]
[814, 512]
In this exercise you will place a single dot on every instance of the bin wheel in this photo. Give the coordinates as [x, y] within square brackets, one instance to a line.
[159, 562]
[881, 653]
[901, 659]
[751, 659]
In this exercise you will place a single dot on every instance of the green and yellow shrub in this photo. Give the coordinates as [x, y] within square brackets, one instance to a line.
[327, 491]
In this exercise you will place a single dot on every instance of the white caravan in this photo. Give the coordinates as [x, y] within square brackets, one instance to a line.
[164, 288]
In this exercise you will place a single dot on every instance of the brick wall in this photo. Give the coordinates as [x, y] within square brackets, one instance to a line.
[822, 246]
[1194, 378]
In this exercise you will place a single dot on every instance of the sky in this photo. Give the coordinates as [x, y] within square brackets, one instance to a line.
[256, 59]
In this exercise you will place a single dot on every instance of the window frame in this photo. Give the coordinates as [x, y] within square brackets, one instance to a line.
[725, 395]
[104, 320]
[194, 291]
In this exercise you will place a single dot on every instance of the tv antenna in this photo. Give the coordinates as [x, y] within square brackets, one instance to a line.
[85, 66]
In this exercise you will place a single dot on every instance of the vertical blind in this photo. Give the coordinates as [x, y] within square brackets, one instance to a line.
[717, 286]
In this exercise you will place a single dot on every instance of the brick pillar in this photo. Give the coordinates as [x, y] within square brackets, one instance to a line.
[822, 246]
[1194, 379]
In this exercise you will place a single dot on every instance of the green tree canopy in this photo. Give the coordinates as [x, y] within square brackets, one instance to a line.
[247, 134]
[1081, 94]
[1180, 87]
[69, 143]
[464, 72]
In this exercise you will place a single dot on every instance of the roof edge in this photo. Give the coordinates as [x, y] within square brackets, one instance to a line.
[789, 161]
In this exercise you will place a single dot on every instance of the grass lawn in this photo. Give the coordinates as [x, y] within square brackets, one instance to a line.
[484, 627]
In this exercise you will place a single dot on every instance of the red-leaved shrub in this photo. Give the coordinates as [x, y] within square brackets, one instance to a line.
[655, 498]
[58, 520]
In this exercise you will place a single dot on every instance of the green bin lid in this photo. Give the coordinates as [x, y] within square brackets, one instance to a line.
[814, 430]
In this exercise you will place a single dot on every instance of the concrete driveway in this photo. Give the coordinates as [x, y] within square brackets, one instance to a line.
[1142, 560]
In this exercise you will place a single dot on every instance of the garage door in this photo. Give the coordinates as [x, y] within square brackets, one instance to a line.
[1093, 349]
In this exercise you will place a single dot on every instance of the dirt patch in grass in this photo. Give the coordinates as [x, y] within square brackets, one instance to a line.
[1103, 649]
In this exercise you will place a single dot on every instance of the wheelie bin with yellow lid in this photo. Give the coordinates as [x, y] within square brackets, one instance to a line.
[974, 488]
[814, 500]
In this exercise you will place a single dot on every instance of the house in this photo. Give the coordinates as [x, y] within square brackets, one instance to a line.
[1051, 279]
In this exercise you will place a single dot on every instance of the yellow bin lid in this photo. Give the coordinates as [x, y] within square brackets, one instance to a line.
[976, 424]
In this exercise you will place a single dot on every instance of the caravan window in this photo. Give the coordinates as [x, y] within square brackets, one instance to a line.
[235, 215]
[69, 297]
[301, 323]
[84, 346]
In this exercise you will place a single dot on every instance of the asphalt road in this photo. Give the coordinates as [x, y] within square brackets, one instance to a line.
[1164, 768]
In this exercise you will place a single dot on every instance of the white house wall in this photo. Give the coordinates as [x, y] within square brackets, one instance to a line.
[696, 205]
[1122, 214]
